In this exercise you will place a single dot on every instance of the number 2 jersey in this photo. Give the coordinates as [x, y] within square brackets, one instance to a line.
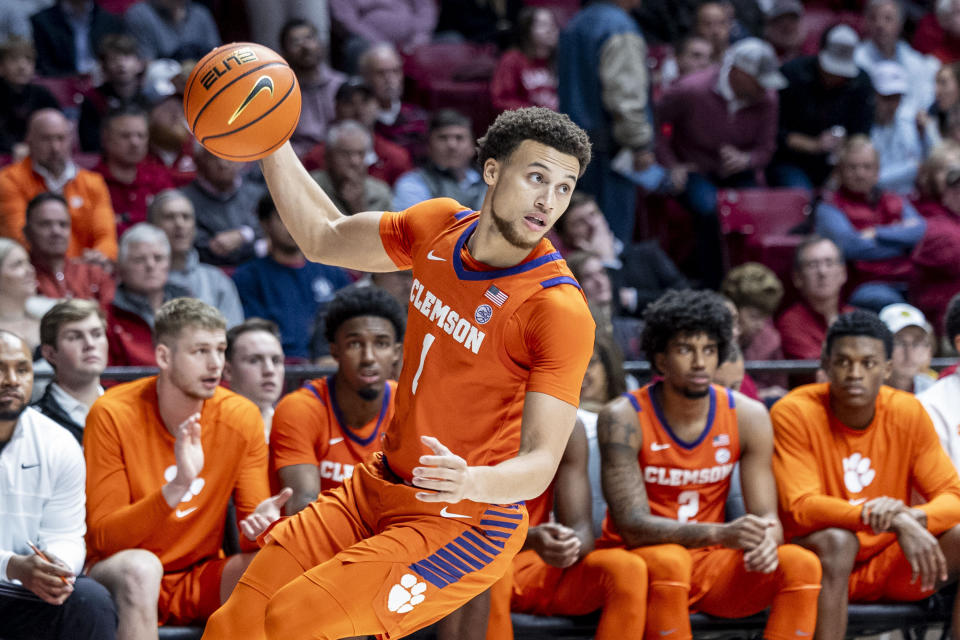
[478, 338]
[685, 481]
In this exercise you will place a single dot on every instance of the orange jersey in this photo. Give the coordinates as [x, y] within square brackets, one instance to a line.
[825, 470]
[686, 481]
[309, 429]
[478, 339]
[129, 455]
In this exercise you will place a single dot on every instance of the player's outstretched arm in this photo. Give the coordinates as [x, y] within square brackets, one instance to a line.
[321, 231]
[304, 479]
[620, 440]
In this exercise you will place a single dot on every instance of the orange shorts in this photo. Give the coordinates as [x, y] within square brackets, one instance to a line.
[885, 576]
[191, 595]
[392, 563]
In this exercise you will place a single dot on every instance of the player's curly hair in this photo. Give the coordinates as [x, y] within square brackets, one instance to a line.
[541, 125]
[951, 319]
[686, 312]
[354, 302]
[859, 323]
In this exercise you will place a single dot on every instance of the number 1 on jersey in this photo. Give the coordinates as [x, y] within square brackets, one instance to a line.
[427, 343]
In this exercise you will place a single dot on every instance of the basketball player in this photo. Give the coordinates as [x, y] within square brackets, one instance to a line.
[330, 425]
[850, 456]
[667, 452]
[498, 339]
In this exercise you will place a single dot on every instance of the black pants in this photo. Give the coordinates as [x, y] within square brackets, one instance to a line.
[88, 614]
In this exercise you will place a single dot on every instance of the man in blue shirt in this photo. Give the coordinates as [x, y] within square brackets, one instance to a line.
[284, 286]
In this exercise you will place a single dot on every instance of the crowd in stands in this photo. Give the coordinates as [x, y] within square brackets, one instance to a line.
[111, 215]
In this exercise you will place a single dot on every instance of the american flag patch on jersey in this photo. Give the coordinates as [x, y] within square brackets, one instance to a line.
[495, 295]
[722, 440]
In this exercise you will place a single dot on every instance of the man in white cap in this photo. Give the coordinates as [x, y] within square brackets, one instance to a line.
[942, 400]
[912, 348]
[902, 142]
[724, 122]
[828, 97]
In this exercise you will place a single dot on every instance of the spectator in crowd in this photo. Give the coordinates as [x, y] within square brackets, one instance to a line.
[67, 35]
[172, 212]
[913, 342]
[122, 67]
[783, 28]
[756, 291]
[171, 143]
[731, 372]
[307, 55]
[748, 386]
[73, 339]
[266, 19]
[604, 87]
[48, 233]
[225, 203]
[668, 21]
[131, 178]
[402, 23]
[902, 142]
[449, 171]
[828, 97]
[349, 145]
[686, 337]
[403, 123]
[525, 75]
[938, 32]
[284, 286]
[355, 101]
[875, 229]
[42, 594]
[937, 256]
[848, 454]
[693, 53]
[19, 97]
[143, 266]
[940, 399]
[49, 167]
[723, 125]
[331, 424]
[18, 284]
[883, 20]
[623, 330]
[164, 456]
[713, 21]
[819, 273]
[254, 366]
[177, 29]
[932, 176]
[946, 95]
[482, 22]
[639, 272]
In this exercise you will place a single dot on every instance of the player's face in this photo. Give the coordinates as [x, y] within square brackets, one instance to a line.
[689, 363]
[16, 377]
[856, 367]
[177, 220]
[145, 267]
[81, 350]
[125, 139]
[48, 230]
[194, 361]
[530, 190]
[366, 350]
[256, 368]
[18, 279]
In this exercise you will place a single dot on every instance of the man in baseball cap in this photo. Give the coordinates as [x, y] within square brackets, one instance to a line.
[783, 28]
[912, 347]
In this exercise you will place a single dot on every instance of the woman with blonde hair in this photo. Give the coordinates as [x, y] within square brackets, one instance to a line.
[20, 307]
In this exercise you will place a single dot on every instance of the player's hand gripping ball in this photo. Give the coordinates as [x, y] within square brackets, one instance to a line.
[242, 101]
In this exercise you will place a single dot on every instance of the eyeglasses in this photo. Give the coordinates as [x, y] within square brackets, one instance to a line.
[814, 265]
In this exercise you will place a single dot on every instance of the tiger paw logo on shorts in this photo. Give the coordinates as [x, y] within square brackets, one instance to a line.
[405, 596]
[857, 474]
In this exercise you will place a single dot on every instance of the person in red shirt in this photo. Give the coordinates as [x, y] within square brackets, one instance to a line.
[48, 232]
[525, 76]
[131, 179]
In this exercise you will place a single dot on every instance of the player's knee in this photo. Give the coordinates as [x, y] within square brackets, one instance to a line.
[668, 563]
[626, 573]
[284, 616]
[133, 577]
[799, 566]
[837, 550]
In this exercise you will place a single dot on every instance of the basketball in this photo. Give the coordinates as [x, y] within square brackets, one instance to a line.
[242, 101]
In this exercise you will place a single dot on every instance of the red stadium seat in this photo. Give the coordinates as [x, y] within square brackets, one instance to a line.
[816, 20]
[68, 90]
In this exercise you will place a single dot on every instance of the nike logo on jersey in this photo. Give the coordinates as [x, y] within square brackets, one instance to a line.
[656, 446]
[447, 514]
[455, 325]
[334, 441]
[667, 632]
[29, 466]
[857, 501]
[185, 512]
[433, 256]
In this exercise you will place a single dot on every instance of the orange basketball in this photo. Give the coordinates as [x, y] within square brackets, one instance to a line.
[242, 101]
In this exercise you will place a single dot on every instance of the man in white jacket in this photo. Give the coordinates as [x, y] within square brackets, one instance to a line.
[942, 400]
